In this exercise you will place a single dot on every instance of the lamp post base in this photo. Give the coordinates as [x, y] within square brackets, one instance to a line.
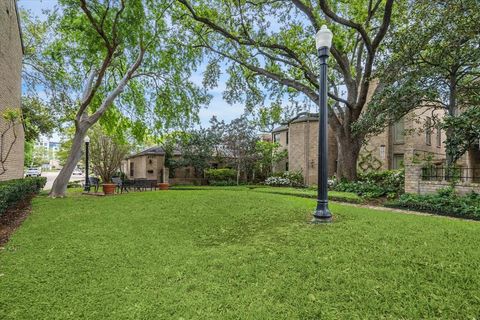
[322, 215]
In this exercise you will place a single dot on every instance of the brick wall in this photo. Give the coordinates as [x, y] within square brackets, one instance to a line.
[302, 150]
[10, 86]
[414, 183]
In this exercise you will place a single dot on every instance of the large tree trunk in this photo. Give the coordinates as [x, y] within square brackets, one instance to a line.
[452, 106]
[60, 184]
[348, 152]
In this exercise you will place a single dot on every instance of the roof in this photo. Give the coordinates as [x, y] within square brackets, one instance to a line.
[280, 128]
[153, 151]
[301, 117]
[304, 116]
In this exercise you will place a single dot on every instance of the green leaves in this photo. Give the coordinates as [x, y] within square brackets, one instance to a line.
[464, 132]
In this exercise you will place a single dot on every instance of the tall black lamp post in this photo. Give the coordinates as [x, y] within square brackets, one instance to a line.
[322, 214]
[87, 181]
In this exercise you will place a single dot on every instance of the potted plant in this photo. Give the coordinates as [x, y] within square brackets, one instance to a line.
[107, 154]
[163, 185]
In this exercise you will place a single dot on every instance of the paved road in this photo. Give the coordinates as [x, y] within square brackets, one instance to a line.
[51, 176]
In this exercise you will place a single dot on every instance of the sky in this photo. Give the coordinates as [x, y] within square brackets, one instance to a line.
[217, 107]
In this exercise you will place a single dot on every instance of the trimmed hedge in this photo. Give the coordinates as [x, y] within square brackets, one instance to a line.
[14, 191]
[221, 177]
[445, 202]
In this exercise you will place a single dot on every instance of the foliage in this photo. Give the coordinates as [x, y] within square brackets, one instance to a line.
[464, 131]
[221, 176]
[445, 202]
[37, 118]
[15, 191]
[122, 64]
[269, 52]
[435, 64]
[244, 255]
[106, 154]
[197, 148]
[286, 179]
[269, 154]
[239, 141]
[388, 183]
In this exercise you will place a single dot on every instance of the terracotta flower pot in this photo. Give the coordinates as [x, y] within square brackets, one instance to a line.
[163, 186]
[108, 188]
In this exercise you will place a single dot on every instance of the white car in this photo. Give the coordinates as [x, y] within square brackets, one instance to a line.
[33, 172]
[77, 172]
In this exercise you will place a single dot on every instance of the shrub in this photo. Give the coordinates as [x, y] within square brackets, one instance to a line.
[389, 183]
[445, 202]
[286, 179]
[74, 184]
[14, 191]
[221, 177]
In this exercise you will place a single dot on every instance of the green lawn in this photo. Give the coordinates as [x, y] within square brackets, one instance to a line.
[235, 253]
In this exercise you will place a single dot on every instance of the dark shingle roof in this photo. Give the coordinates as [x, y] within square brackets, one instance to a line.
[280, 128]
[153, 151]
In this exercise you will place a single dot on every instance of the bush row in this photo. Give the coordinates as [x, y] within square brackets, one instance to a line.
[445, 202]
[286, 179]
[371, 185]
[14, 191]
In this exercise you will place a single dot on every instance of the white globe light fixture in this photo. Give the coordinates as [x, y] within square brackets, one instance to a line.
[324, 38]
[87, 139]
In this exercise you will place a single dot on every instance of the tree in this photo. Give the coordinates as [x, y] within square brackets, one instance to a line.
[269, 155]
[37, 118]
[198, 149]
[464, 132]
[270, 46]
[106, 155]
[239, 141]
[104, 61]
[435, 63]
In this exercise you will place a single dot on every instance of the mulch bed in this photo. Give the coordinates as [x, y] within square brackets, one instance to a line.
[13, 218]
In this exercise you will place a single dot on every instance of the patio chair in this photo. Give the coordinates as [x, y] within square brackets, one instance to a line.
[120, 186]
[94, 182]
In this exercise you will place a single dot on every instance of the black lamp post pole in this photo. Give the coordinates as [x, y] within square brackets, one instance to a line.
[87, 181]
[322, 213]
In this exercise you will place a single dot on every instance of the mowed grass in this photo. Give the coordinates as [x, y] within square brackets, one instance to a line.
[235, 253]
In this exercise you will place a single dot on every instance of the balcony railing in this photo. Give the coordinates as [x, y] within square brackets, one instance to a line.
[460, 174]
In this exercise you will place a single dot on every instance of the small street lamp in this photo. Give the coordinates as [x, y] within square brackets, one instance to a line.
[322, 214]
[87, 181]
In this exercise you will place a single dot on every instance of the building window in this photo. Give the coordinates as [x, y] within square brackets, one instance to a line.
[397, 161]
[428, 131]
[286, 166]
[399, 131]
[131, 169]
[287, 139]
[276, 137]
[439, 136]
[382, 152]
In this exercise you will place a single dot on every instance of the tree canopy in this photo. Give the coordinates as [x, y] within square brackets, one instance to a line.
[121, 63]
[269, 47]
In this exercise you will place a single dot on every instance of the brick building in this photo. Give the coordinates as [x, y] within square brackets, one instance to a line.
[404, 142]
[299, 136]
[11, 53]
[149, 164]
[414, 138]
